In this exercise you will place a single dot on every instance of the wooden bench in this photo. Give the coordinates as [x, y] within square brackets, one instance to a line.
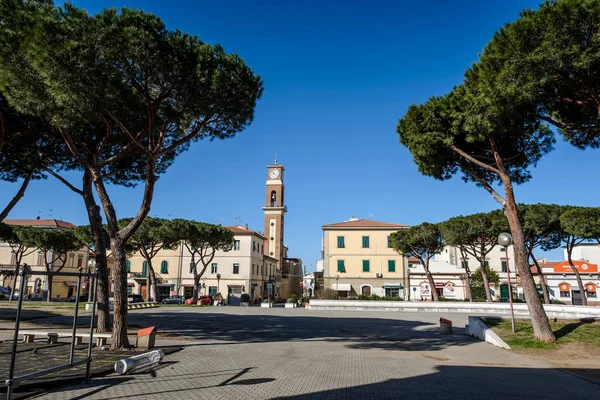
[52, 337]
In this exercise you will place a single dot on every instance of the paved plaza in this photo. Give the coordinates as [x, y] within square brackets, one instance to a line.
[256, 353]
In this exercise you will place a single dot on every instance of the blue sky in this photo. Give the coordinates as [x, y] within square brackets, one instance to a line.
[337, 77]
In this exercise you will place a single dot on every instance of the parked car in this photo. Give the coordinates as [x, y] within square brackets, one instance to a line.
[82, 298]
[173, 300]
[135, 298]
[5, 294]
[202, 300]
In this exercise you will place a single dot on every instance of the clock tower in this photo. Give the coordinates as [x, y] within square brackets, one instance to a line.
[274, 212]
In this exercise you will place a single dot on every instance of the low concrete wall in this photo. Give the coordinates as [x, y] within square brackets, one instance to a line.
[552, 310]
[478, 329]
[130, 306]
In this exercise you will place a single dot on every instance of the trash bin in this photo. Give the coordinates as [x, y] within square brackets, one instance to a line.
[445, 325]
[146, 338]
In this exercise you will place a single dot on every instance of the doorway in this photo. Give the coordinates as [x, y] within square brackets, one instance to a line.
[504, 291]
[366, 290]
[576, 298]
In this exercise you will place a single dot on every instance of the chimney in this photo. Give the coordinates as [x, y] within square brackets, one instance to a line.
[246, 226]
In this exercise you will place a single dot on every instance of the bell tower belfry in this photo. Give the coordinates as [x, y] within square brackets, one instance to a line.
[274, 212]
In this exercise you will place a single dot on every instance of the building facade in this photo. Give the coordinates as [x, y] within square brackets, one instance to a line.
[358, 259]
[37, 284]
[451, 281]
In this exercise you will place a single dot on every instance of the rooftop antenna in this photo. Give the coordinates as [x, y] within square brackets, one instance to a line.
[370, 216]
[275, 158]
[238, 221]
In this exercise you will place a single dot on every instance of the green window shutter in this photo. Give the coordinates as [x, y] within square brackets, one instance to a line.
[365, 242]
[164, 267]
[464, 264]
[366, 266]
[504, 269]
[145, 268]
[128, 266]
[486, 264]
[389, 242]
[340, 242]
[341, 266]
[391, 265]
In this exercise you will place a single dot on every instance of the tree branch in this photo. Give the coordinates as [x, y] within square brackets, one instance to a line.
[474, 160]
[17, 196]
[63, 180]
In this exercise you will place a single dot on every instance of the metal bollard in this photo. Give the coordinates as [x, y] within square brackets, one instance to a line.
[127, 365]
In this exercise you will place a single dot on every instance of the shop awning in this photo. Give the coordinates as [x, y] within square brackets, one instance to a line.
[392, 285]
[341, 287]
[440, 284]
[590, 287]
[70, 284]
[564, 287]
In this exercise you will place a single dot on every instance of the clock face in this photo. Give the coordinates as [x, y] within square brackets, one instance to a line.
[274, 173]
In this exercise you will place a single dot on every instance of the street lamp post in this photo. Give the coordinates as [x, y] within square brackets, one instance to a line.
[505, 240]
[91, 267]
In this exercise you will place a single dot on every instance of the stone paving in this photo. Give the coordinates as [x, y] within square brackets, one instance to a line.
[254, 353]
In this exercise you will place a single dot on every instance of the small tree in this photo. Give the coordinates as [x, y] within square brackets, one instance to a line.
[480, 277]
[21, 246]
[202, 241]
[541, 226]
[455, 232]
[579, 225]
[152, 236]
[422, 242]
[54, 244]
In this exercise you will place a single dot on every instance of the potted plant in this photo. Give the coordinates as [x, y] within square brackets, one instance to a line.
[292, 301]
[245, 300]
[267, 303]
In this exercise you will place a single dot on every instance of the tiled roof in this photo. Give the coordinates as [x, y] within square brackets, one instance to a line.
[240, 230]
[547, 264]
[48, 223]
[364, 223]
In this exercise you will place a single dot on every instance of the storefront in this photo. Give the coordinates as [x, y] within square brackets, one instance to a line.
[563, 286]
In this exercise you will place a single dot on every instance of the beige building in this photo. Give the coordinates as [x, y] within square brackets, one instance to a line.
[37, 285]
[358, 259]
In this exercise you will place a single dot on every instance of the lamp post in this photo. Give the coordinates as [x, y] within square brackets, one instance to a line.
[505, 240]
[91, 267]
[218, 279]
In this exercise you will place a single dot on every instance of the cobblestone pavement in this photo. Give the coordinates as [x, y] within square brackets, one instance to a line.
[254, 353]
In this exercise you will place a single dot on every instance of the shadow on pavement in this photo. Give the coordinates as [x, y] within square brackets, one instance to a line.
[457, 382]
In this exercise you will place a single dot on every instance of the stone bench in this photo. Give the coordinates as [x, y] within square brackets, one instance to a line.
[52, 337]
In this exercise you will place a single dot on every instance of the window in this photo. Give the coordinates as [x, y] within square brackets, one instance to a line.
[164, 267]
[341, 266]
[236, 244]
[253, 246]
[80, 261]
[365, 242]
[13, 258]
[213, 268]
[502, 249]
[486, 264]
[129, 289]
[340, 242]
[166, 248]
[145, 268]
[391, 265]
[128, 266]
[565, 294]
[591, 294]
[40, 260]
[212, 290]
[191, 267]
[504, 269]
[392, 292]
[389, 242]
[464, 264]
[236, 268]
[366, 266]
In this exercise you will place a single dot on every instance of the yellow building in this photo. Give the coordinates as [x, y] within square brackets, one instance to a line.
[167, 266]
[37, 285]
[357, 259]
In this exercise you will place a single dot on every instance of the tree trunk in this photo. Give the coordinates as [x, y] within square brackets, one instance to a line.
[49, 282]
[539, 320]
[152, 288]
[95, 218]
[196, 288]
[434, 293]
[17, 197]
[578, 277]
[542, 280]
[469, 291]
[119, 336]
[14, 285]
[486, 282]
